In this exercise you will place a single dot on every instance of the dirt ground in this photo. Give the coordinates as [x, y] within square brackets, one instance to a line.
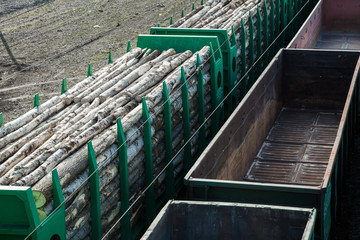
[53, 39]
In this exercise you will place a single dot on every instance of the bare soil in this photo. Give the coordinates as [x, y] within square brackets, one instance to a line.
[54, 39]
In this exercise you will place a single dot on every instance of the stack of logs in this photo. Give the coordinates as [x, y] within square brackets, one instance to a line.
[54, 135]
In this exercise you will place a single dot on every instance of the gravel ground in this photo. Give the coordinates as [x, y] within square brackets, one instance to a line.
[54, 39]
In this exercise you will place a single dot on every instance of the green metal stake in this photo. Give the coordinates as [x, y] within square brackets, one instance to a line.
[63, 86]
[89, 70]
[128, 46]
[36, 100]
[110, 58]
[193, 7]
[1, 120]
[58, 199]
[277, 24]
[272, 28]
[186, 121]
[283, 17]
[171, 21]
[159, 25]
[251, 50]
[169, 181]
[266, 33]
[259, 66]
[202, 2]
[243, 84]
[124, 181]
[182, 13]
[202, 132]
[94, 194]
[149, 169]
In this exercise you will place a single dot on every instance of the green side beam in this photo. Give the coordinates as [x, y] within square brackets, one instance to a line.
[63, 86]
[169, 181]
[124, 181]
[149, 169]
[36, 100]
[186, 121]
[94, 194]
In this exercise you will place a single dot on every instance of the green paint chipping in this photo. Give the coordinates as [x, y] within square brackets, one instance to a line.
[36, 100]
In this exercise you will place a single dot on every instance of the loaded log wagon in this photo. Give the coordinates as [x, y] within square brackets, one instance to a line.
[83, 164]
[286, 142]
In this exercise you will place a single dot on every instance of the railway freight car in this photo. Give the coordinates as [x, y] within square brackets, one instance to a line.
[285, 142]
[193, 219]
[332, 24]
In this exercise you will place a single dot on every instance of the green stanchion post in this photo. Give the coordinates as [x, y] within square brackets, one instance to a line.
[171, 20]
[110, 58]
[89, 70]
[193, 7]
[182, 13]
[251, 51]
[149, 169]
[36, 100]
[243, 84]
[1, 120]
[266, 33]
[128, 48]
[283, 17]
[124, 181]
[169, 181]
[272, 29]
[63, 86]
[202, 2]
[201, 96]
[259, 66]
[186, 121]
[94, 194]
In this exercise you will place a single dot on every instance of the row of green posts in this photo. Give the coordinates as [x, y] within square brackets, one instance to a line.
[285, 19]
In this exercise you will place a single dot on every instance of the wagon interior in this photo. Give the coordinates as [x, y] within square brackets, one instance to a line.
[333, 24]
[230, 221]
[285, 128]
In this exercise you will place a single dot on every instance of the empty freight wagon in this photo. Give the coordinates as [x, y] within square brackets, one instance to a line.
[214, 220]
[333, 24]
[284, 143]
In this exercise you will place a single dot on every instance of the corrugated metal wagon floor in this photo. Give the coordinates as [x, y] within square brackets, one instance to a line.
[331, 40]
[297, 147]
